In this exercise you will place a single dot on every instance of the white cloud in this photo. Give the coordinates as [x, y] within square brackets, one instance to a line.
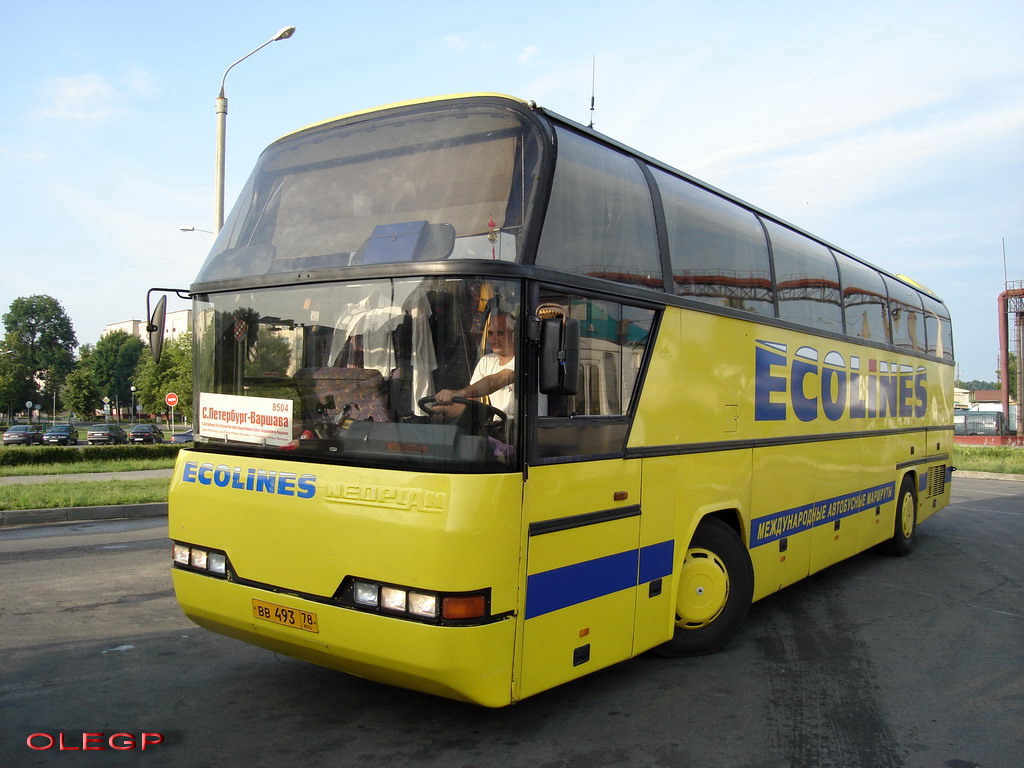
[138, 82]
[457, 43]
[528, 54]
[847, 168]
[88, 98]
[92, 98]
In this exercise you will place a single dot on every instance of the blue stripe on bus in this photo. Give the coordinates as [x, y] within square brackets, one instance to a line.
[573, 584]
[790, 522]
[656, 561]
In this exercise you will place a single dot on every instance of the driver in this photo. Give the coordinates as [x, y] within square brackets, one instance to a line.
[493, 376]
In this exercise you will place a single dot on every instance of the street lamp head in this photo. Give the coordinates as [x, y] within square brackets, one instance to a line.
[222, 114]
[284, 34]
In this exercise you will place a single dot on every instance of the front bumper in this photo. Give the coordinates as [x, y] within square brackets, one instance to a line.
[469, 663]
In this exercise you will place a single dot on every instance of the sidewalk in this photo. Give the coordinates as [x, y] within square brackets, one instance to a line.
[90, 477]
[78, 514]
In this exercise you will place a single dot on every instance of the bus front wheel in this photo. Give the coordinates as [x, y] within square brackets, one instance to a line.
[903, 538]
[716, 585]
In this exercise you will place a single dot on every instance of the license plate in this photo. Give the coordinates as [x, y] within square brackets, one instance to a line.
[286, 617]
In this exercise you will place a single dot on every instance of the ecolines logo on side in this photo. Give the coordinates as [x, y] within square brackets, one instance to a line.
[805, 385]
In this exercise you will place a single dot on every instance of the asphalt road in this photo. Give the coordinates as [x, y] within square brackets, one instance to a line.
[876, 663]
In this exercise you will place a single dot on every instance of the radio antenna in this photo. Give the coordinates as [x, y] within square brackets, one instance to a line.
[593, 84]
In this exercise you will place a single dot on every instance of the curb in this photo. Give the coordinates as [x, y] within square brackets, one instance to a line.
[987, 476]
[80, 514]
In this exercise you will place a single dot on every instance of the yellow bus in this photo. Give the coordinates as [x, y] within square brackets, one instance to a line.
[486, 401]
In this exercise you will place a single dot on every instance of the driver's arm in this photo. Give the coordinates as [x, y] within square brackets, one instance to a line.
[478, 388]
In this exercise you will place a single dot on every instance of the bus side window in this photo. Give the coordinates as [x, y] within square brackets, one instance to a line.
[906, 311]
[612, 344]
[864, 300]
[937, 328]
[806, 280]
[718, 249]
[600, 220]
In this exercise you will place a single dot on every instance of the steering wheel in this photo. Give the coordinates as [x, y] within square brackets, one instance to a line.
[476, 413]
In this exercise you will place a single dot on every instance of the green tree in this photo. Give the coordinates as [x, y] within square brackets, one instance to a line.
[12, 398]
[975, 384]
[81, 395]
[172, 374]
[38, 347]
[112, 365]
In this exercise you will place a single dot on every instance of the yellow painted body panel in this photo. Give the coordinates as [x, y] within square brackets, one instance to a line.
[602, 624]
[429, 531]
[796, 468]
[470, 663]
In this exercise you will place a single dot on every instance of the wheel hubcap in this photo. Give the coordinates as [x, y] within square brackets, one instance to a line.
[703, 589]
[907, 519]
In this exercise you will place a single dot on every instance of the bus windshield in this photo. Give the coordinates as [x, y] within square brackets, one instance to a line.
[445, 183]
[348, 372]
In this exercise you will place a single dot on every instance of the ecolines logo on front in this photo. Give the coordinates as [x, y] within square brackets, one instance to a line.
[253, 480]
[808, 386]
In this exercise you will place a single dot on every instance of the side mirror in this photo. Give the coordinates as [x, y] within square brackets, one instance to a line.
[156, 321]
[155, 328]
[559, 356]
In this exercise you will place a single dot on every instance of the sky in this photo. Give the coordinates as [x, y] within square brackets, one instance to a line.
[894, 130]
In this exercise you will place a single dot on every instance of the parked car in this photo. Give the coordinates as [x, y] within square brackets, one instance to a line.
[61, 434]
[106, 433]
[23, 434]
[182, 437]
[146, 433]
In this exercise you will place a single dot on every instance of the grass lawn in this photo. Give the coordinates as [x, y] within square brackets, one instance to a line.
[81, 467]
[56, 495]
[1002, 459]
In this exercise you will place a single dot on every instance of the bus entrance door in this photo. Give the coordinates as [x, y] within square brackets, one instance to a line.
[581, 570]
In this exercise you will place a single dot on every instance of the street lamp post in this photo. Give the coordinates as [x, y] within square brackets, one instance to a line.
[133, 405]
[222, 116]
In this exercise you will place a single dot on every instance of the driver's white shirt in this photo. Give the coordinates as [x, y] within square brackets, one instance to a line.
[504, 398]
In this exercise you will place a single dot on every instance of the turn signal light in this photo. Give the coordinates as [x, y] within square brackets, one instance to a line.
[472, 607]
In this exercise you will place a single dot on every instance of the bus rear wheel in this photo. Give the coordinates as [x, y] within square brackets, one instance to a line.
[716, 585]
[902, 542]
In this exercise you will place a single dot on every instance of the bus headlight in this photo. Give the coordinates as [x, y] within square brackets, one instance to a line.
[366, 593]
[217, 562]
[181, 553]
[392, 599]
[421, 604]
[200, 559]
